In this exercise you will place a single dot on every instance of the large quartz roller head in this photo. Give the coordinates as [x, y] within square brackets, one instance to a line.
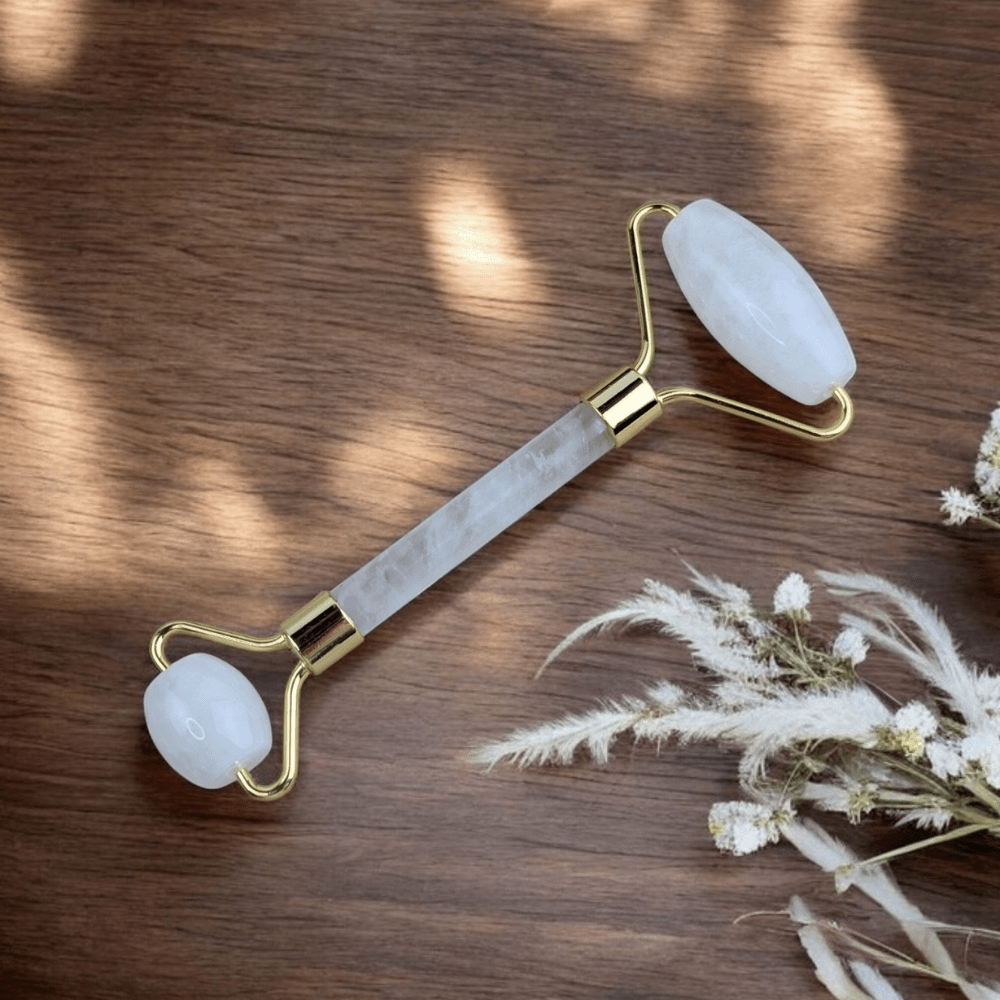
[758, 301]
[207, 720]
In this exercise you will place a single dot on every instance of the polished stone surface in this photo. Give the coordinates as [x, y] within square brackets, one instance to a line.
[207, 720]
[758, 302]
[467, 522]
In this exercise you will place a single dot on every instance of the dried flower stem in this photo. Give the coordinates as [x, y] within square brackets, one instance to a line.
[852, 941]
[955, 833]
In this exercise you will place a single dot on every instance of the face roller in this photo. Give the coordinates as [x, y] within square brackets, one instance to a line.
[207, 719]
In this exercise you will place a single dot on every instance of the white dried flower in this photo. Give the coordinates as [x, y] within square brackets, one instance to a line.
[983, 503]
[834, 856]
[915, 715]
[808, 729]
[982, 747]
[935, 657]
[850, 645]
[831, 945]
[945, 757]
[744, 827]
[791, 598]
[988, 690]
[827, 796]
[741, 694]
[830, 969]
[810, 732]
[826, 852]
[665, 696]
[987, 476]
[989, 446]
[714, 643]
[862, 800]
[959, 506]
[557, 742]
[876, 985]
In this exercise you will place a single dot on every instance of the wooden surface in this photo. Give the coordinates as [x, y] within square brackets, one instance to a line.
[278, 279]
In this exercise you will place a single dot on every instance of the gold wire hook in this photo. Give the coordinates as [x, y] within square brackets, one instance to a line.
[647, 344]
[289, 742]
[674, 394]
[319, 634]
[221, 636]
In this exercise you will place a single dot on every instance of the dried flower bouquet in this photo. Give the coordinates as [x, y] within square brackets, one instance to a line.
[813, 733]
[811, 729]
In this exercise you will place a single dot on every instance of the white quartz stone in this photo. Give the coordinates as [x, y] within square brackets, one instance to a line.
[207, 720]
[466, 523]
[758, 302]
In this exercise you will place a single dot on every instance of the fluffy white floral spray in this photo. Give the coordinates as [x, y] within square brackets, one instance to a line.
[983, 502]
[813, 733]
[811, 730]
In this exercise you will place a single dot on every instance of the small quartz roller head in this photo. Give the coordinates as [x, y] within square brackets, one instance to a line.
[207, 720]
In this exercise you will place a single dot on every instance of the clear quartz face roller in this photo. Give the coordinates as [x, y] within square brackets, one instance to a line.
[208, 720]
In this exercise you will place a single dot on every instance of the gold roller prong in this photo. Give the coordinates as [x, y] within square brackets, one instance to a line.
[627, 401]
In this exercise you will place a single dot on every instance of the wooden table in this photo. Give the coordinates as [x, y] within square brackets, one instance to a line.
[278, 279]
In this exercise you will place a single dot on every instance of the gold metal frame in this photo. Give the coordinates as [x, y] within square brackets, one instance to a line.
[627, 401]
[319, 634]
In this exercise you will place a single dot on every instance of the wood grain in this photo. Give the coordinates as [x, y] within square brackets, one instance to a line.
[278, 279]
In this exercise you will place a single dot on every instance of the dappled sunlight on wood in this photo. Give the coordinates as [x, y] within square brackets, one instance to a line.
[67, 521]
[683, 61]
[625, 21]
[277, 281]
[223, 511]
[56, 490]
[398, 461]
[40, 39]
[833, 142]
[839, 146]
[479, 261]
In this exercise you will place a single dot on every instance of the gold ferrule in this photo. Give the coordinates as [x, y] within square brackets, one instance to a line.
[320, 633]
[626, 402]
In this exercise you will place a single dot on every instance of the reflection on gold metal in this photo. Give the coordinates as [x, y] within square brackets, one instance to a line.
[289, 743]
[626, 401]
[766, 417]
[235, 640]
[623, 399]
[646, 338]
[319, 634]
